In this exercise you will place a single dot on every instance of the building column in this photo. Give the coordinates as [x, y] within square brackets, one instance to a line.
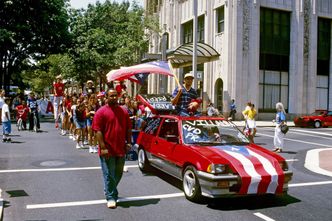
[295, 76]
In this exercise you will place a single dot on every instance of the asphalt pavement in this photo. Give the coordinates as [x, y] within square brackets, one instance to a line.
[318, 163]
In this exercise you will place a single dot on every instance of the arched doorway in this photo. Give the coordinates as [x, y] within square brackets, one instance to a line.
[218, 91]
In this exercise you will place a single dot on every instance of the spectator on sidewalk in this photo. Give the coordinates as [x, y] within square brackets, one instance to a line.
[212, 111]
[22, 112]
[109, 120]
[280, 119]
[5, 118]
[59, 88]
[233, 110]
[249, 115]
[2, 99]
[33, 111]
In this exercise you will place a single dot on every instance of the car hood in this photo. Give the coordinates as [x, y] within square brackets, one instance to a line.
[260, 172]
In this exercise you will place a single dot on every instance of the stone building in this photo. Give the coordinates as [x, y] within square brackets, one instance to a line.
[270, 51]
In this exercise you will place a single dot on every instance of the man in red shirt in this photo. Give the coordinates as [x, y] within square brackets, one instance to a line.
[59, 89]
[113, 132]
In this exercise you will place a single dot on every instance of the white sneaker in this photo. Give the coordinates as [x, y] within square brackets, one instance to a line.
[70, 136]
[95, 149]
[78, 146]
[111, 204]
[85, 142]
[91, 149]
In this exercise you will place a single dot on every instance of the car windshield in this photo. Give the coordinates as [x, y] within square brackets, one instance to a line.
[212, 132]
[318, 112]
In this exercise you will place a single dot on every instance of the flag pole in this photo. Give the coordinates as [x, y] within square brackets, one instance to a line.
[172, 71]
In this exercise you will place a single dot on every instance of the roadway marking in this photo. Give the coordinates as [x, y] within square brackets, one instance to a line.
[139, 198]
[299, 141]
[292, 160]
[58, 169]
[262, 216]
[312, 132]
[307, 133]
[310, 184]
[93, 202]
[312, 162]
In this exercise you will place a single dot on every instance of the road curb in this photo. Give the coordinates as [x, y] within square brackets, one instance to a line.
[1, 209]
[312, 162]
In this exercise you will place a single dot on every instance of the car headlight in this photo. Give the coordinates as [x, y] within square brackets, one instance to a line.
[216, 168]
[283, 165]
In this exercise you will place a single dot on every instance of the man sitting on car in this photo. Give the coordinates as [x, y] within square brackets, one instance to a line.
[185, 98]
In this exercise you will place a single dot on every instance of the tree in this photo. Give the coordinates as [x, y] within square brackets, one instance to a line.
[43, 75]
[29, 31]
[107, 36]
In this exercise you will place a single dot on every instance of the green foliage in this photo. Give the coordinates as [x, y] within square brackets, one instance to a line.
[107, 36]
[30, 29]
[40, 39]
[46, 70]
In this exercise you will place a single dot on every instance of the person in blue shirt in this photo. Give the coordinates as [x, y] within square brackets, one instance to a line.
[233, 110]
[278, 139]
[185, 98]
[33, 110]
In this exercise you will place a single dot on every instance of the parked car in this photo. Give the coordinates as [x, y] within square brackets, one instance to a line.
[211, 156]
[320, 118]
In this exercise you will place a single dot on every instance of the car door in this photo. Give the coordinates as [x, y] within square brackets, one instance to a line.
[165, 143]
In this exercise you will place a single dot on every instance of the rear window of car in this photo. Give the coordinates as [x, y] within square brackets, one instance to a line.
[152, 125]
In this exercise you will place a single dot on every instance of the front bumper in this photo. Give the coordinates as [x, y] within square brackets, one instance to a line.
[215, 186]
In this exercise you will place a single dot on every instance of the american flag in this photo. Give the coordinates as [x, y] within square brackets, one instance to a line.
[260, 173]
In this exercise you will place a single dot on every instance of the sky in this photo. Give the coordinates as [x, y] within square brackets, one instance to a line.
[84, 3]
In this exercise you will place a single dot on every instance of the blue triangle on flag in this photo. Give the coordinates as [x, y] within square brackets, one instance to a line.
[141, 77]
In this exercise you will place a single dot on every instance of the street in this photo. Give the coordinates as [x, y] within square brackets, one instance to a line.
[43, 177]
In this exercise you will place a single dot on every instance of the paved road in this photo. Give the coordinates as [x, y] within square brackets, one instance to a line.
[44, 177]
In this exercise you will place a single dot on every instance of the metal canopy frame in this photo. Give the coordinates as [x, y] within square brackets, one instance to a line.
[182, 55]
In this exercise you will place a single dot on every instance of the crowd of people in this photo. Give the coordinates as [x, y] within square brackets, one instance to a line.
[74, 113]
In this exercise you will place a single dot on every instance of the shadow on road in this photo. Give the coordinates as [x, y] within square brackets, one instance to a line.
[138, 203]
[251, 202]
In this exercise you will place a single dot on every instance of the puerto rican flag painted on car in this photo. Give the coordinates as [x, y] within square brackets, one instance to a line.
[260, 173]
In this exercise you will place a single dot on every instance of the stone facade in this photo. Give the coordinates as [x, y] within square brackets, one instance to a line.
[238, 46]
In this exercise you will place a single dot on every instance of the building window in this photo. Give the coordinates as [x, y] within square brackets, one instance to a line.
[187, 32]
[220, 19]
[274, 58]
[323, 63]
[187, 29]
[273, 88]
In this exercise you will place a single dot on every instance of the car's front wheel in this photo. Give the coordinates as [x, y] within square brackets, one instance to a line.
[317, 124]
[191, 187]
[143, 162]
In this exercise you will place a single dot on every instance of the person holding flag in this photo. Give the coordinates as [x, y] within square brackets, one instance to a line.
[185, 98]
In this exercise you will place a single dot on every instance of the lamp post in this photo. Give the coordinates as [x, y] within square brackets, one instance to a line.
[194, 64]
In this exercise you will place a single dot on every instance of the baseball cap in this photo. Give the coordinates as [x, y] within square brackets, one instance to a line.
[188, 75]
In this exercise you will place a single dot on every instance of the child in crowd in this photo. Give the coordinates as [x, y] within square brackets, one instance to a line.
[5, 118]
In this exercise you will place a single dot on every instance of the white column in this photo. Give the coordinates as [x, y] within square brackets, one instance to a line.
[295, 86]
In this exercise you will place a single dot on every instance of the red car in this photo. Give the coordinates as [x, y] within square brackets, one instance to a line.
[319, 118]
[211, 156]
